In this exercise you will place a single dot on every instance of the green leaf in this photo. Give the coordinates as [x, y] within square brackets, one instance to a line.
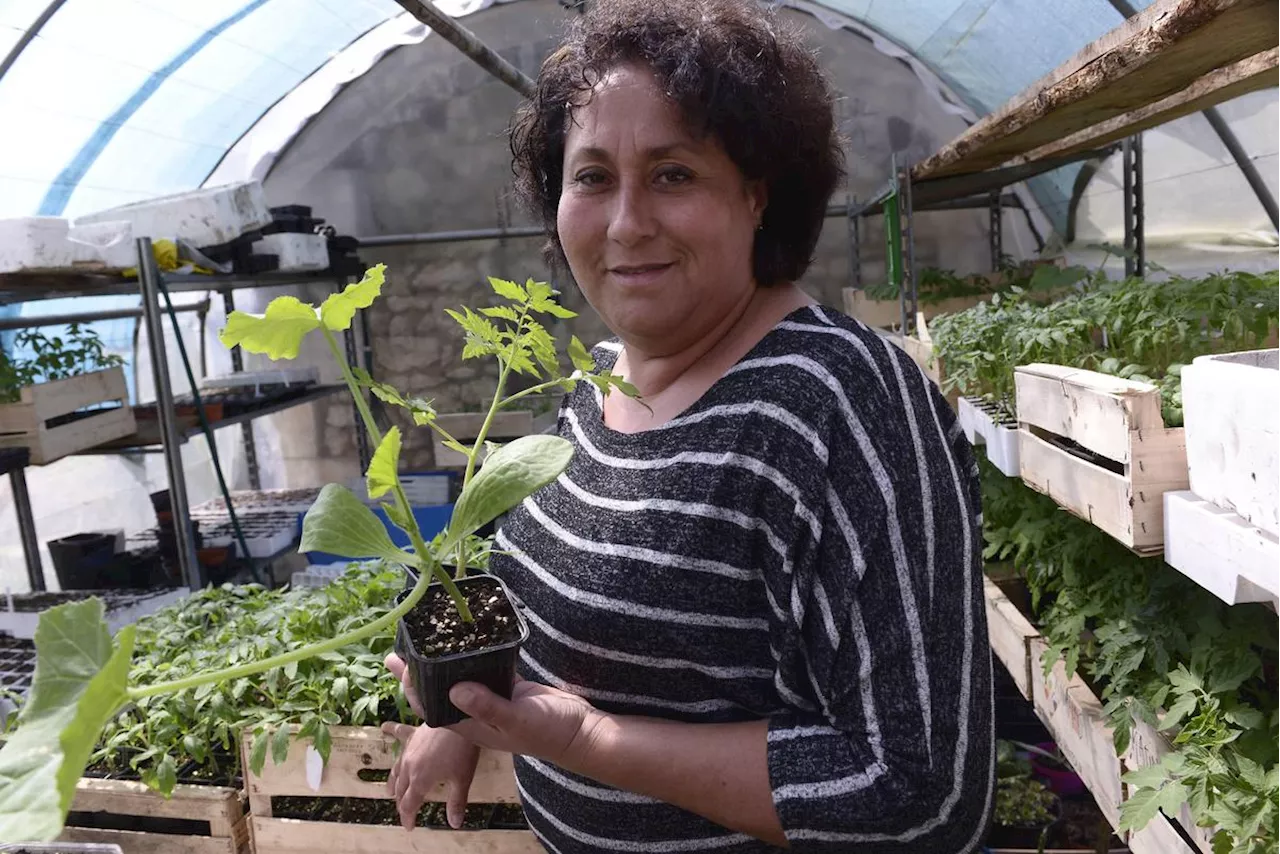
[341, 524]
[1141, 807]
[508, 290]
[166, 775]
[277, 333]
[542, 299]
[323, 743]
[1150, 777]
[1185, 705]
[258, 753]
[339, 690]
[280, 745]
[382, 475]
[338, 310]
[80, 683]
[580, 357]
[512, 473]
[399, 519]
[505, 312]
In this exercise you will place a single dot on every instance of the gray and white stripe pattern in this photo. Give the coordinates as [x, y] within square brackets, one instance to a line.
[802, 545]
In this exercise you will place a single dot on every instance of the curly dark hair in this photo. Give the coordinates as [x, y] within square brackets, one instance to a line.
[735, 73]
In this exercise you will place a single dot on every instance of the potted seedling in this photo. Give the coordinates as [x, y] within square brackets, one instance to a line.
[1025, 809]
[82, 674]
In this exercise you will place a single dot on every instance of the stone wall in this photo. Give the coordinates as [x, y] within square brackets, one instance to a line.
[418, 145]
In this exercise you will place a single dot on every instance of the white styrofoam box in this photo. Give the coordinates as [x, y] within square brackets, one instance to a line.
[296, 252]
[1231, 414]
[33, 244]
[1218, 550]
[111, 242]
[205, 217]
[1001, 440]
[22, 624]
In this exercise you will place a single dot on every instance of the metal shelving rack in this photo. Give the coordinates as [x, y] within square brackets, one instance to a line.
[153, 286]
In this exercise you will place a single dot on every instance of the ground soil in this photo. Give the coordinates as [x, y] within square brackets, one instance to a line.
[380, 812]
[437, 630]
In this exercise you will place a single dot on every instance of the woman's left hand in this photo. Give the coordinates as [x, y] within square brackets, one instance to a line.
[538, 720]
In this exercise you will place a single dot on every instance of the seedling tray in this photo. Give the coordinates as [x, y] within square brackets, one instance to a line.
[122, 607]
[356, 757]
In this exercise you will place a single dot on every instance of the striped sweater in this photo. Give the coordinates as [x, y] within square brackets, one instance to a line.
[803, 545]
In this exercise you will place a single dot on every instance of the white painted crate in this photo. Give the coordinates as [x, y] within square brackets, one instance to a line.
[1220, 551]
[1231, 413]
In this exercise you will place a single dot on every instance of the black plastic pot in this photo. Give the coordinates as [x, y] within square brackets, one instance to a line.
[494, 667]
[80, 560]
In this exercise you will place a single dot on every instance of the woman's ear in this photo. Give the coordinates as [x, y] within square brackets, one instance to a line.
[758, 198]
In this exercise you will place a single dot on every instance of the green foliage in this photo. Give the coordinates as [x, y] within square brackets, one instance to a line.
[1163, 651]
[1024, 802]
[80, 351]
[1136, 329]
[79, 682]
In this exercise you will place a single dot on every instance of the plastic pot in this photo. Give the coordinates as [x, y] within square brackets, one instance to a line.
[432, 677]
[80, 559]
[1061, 781]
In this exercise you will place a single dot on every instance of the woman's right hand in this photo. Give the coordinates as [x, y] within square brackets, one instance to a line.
[430, 758]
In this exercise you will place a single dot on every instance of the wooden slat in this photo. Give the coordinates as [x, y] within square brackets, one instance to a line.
[52, 444]
[1150, 57]
[1095, 410]
[1095, 494]
[1147, 747]
[1221, 552]
[43, 401]
[289, 836]
[139, 842]
[218, 805]
[1074, 716]
[357, 749]
[1257, 72]
[1010, 634]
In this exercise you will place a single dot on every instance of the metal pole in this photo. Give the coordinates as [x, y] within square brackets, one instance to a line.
[1127, 168]
[855, 250]
[87, 316]
[463, 39]
[452, 236]
[246, 429]
[148, 277]
[27, 529]
[996, 232]
[909, 279]
[1139, 211]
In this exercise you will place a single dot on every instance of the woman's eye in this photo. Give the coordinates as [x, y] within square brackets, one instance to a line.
[589, 179]
[674, 175]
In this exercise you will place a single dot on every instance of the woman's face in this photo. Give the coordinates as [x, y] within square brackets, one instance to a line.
[657, 223]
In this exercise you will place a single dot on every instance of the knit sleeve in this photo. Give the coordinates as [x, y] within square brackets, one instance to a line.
[888, 747]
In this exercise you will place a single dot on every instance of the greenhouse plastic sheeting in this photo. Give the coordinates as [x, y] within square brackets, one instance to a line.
[120, 100]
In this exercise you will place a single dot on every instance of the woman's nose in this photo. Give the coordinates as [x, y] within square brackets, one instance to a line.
[632, 218]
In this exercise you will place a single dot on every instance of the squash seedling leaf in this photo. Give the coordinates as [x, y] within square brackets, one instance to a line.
[381, 476]
[80, 682]
[341, 524]
[510, 474]
[337, 311]
[277, 333]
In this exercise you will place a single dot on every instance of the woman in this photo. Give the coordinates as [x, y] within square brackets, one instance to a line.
[756, 597]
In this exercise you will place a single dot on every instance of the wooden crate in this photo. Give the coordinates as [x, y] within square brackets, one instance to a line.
[25, 424]
[1220, 551]
[887, 313]
[357, 749]
[1098, 446]
[1147, 747]
[1073, 714]
[145, 813]
[1231, 403]
[1010, 634]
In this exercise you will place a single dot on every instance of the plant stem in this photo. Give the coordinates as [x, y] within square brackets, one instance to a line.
[531, 390]
[385, 621]
[402, 501]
